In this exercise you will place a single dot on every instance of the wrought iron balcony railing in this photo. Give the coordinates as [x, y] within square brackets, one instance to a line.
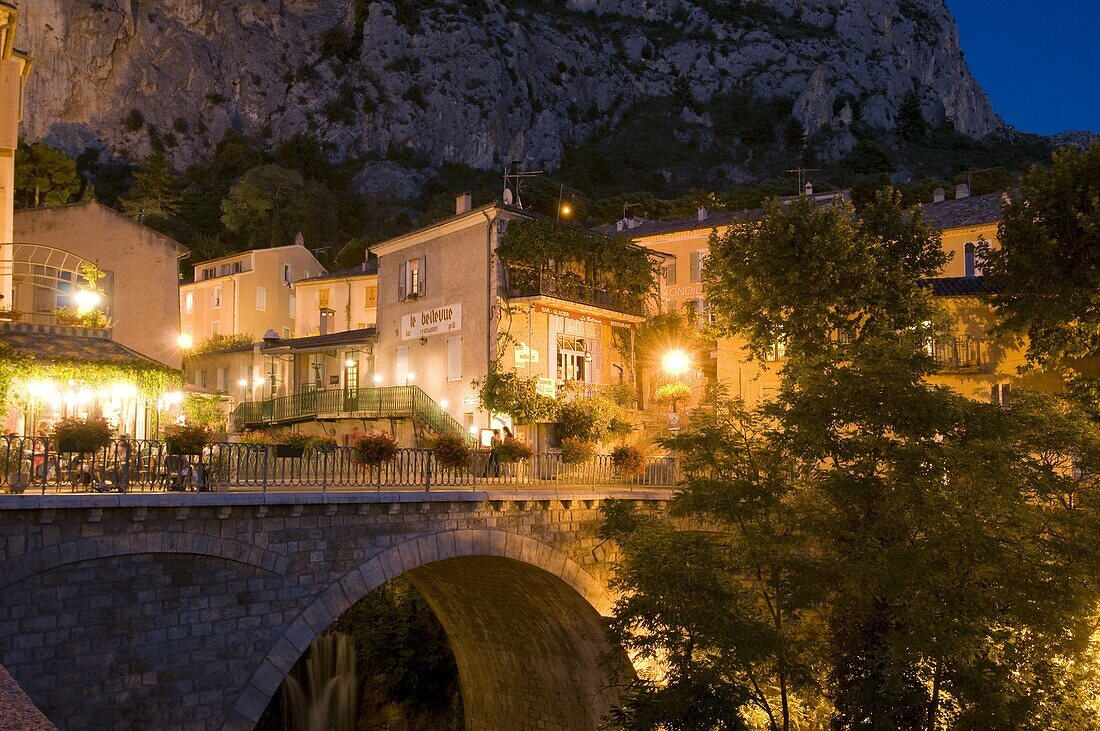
[520, 281]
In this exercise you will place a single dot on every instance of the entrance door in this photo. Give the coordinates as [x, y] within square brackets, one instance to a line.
[572, 358]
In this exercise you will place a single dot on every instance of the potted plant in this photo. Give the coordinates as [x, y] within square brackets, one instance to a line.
[82, 435]
[513, 450]
[7, 314]
[291, 445]
[575, 450]
[374, 448]
[451, 451]
[322, 444]
[628, 461]
[186, 438]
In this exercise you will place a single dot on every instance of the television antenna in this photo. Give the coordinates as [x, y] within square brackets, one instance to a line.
[513, 181]
[801, 173]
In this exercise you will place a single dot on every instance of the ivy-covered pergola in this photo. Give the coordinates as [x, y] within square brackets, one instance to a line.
[47, 374]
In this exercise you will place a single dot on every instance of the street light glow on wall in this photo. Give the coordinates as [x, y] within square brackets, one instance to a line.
[377, 378]
[86, 300]
[676, 362]
[185, 341]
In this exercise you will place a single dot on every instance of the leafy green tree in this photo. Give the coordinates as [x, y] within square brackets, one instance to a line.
[44, 175]
[1046, 267]
[156, 191]
[945, 544]
[271, 205]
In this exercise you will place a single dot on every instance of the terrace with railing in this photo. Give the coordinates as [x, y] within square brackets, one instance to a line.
[523, 281]
[35, 465]
[409, 402]
[44, 285]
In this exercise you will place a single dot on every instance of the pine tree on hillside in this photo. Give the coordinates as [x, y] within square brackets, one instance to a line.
[156, 191]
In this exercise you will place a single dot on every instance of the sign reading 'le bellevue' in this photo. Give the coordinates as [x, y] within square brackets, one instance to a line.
[438, 320]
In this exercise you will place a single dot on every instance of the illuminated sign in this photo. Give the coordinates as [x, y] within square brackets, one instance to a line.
[436, 321]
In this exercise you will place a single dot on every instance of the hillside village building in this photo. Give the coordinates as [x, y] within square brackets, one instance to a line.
[337, 301]
[248, 293]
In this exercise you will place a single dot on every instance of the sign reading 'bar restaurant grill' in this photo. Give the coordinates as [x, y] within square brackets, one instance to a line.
[436, 321]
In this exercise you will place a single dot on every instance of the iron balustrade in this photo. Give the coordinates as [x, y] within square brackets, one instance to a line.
[524, 281]
[34, 464]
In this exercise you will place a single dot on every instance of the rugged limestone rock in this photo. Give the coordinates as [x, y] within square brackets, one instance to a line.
[473, 81]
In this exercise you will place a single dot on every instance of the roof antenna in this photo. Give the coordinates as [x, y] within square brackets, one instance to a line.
[513, 179]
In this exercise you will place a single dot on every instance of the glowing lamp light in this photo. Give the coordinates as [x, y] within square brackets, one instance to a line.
[243, 383]
[86, 300]
[84, 396]
[185, 341]
[377, 377]
[349, 363]
[566, 210]
[676, 362]
[474, 430]
[258, 381]
[410, 377]
[444, 403]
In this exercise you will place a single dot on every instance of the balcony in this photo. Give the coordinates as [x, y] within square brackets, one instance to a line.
[521, 281]
[962, 355]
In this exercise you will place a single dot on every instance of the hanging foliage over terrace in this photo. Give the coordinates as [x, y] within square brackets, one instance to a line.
[610, 260]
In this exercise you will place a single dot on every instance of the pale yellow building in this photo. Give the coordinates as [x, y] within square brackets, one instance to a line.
[247, 293]
[15, 67]
[140, 267]
[969, 360]
[337, 301]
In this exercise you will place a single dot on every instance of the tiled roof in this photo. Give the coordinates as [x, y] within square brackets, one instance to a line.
[365, 269]
[69, 344]
[347, 337]
[960, 286]
[977, 210]
[713, 220]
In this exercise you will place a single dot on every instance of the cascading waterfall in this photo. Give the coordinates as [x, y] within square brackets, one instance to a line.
[330, 699]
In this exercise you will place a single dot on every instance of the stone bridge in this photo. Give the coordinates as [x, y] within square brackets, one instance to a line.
[187, 611]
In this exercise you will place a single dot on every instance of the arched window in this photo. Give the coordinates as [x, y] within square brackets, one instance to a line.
[968, 260]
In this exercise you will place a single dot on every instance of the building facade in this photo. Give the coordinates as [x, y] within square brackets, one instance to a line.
[140, 267]
[337, 301]
[247, 293]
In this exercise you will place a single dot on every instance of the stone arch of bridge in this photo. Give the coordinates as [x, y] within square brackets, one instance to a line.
[525, 622]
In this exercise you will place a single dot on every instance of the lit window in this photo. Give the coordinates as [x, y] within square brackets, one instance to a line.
[412, 279]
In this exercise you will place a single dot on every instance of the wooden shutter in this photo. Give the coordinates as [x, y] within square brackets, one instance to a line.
[402, 276]
[423, 277]
[454, 358]
[696, 266]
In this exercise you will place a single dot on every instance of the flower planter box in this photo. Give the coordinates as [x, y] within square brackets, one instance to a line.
[287, 450]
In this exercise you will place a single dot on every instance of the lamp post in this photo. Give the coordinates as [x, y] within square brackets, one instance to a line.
[676, 363]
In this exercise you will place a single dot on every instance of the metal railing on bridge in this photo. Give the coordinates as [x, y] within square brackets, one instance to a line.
[34, 464]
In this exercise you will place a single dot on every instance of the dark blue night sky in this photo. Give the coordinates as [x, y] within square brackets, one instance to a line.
[1039, 60]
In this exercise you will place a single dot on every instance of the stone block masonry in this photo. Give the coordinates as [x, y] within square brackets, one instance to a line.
[187, 611]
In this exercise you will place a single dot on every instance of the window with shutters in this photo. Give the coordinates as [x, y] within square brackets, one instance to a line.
[216, 297]
[670, 272]
[454, 358]
[216, 327]
[287, 274]
[293, 307]
[209, 273]
[698, 260]
[322, 298]
[237, 267]
[370, 296]
[286, 333]
[261, 299]
[969, 261]
[411, 279]
[222, 379]
[189, 302]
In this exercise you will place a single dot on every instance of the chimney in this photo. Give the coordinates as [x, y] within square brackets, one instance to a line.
[939, 195]
[809, 188]
[619, 224]
[962, 190]
[632, 223]
[328, 316]
[463, 203]
[701, 213]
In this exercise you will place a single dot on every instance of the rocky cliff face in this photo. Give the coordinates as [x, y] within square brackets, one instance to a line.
[478, 82]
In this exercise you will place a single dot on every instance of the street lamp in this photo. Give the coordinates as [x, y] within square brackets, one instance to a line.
[409, 377]
[185, 341]
[676, 362]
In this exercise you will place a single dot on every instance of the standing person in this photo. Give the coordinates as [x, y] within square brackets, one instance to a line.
[122, 456]
[507, 433]
[494, 458]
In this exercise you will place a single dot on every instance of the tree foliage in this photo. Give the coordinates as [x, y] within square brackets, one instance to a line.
[156, 192]
[44, 175]
[1047, 266]
[270, 205]
[878, 550]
